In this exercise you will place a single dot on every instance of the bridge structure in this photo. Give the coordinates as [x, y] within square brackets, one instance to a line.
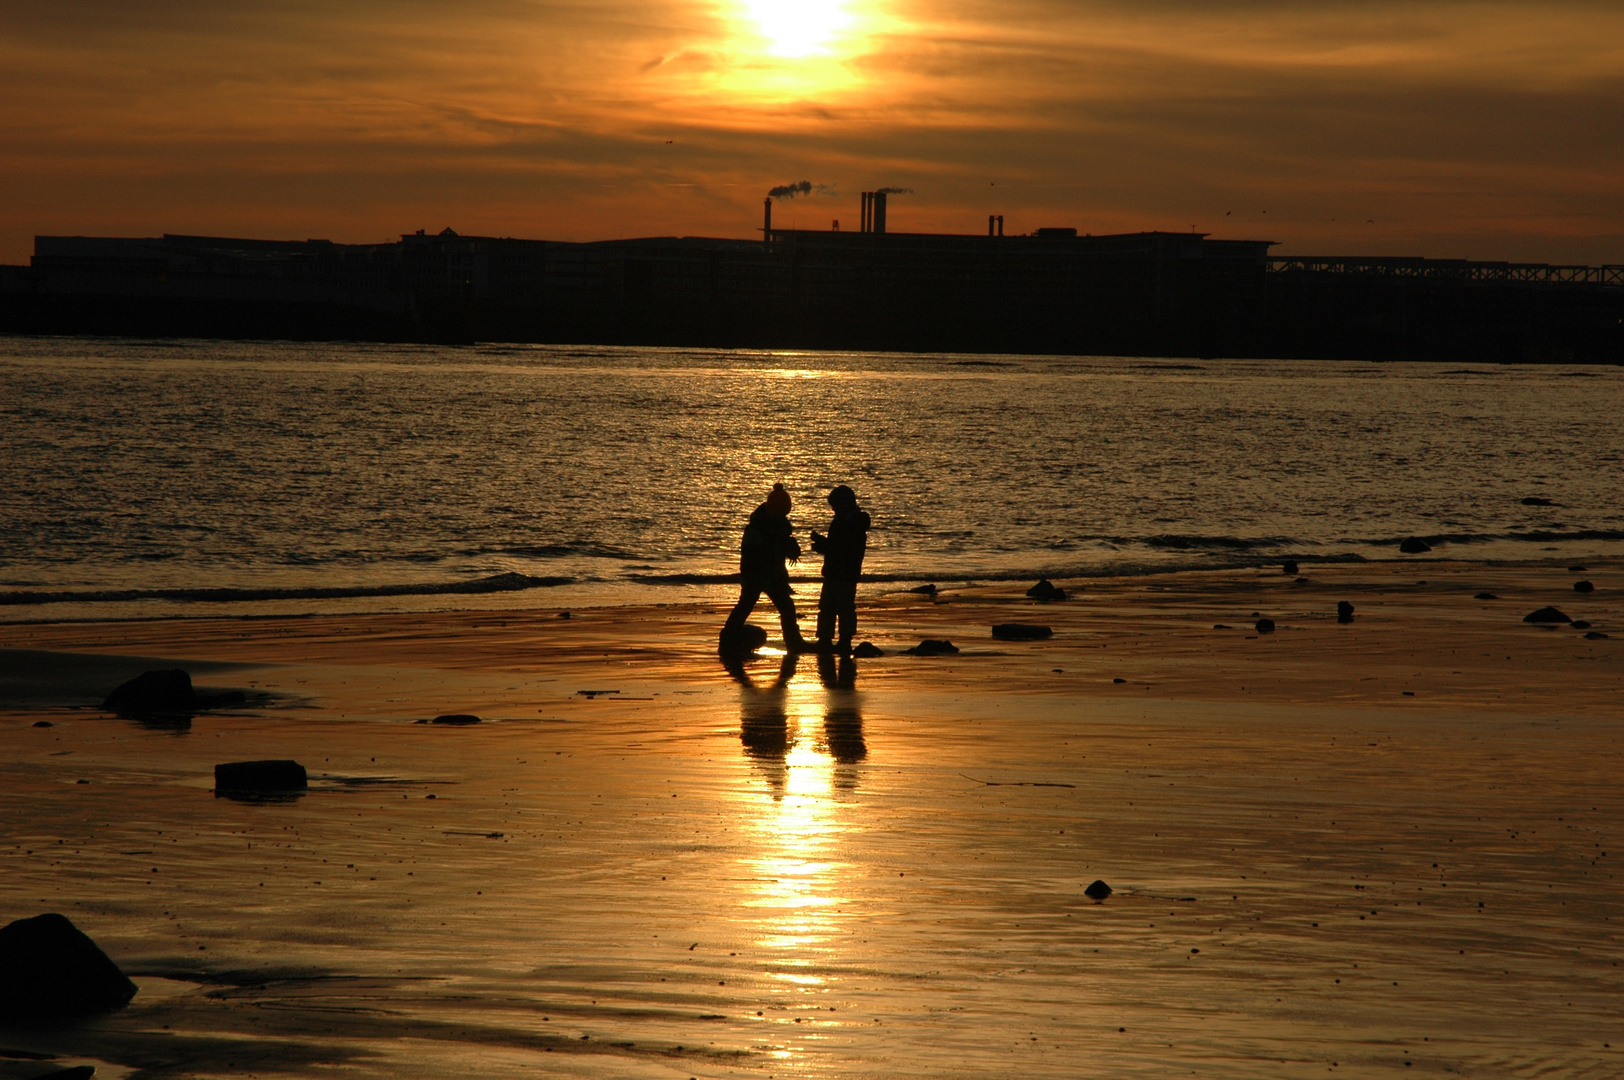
[1453, 270]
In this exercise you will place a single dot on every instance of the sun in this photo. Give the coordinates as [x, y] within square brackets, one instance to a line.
[799, 28]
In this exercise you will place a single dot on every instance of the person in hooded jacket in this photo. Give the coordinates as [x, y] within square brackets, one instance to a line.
[842, 551]
[769, 541]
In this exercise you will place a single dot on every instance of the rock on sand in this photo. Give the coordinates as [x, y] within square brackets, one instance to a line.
[456, 719]
[1020, 631]
[154, 692]
[1546, 615]
[1264, 626]
[868, 649]
[1097, 891]
[49, 969]
[1045, 591]
[1344, 611]
[742, 641]
[932, 647]
[1414, 545]
[273, 775]
[1583, 586]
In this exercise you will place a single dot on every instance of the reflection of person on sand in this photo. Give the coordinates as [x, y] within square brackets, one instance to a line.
[842, 551]
[769, 540]
[842, 722]
[763, 721]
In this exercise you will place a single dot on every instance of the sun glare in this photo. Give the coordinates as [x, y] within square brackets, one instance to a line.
[799, 28]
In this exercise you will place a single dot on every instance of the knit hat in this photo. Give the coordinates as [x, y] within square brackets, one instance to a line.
[778, 501]
[842, 496]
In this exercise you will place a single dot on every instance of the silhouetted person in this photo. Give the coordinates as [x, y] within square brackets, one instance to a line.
[842, 551]
[769, 541]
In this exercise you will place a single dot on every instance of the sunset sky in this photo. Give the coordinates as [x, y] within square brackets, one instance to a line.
[1433, 127]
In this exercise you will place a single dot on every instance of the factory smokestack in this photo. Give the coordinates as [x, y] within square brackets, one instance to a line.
[878, 211]
[767, 220]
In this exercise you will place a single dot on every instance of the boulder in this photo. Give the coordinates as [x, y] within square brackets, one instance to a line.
[1020, 631]
[932, 647]
[741, 641]
[1580, 624]
[275, 775]
[1264, 626]
[1344, 611]
[868, 649]
[1536, 500]
[43, 723]
[1414, 545]
[1484, 596]
[924, 590]
[1546, 615]
[1583, 586]
[1097, 891]
[1045, 591]
[154, 692]
[1289, 568]
[1595, 635]
[50, 970]
[456, 718]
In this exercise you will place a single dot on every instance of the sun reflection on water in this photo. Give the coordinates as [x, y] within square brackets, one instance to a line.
[804, 742]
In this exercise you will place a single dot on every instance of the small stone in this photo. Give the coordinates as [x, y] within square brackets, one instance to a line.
[1119, 680]
[458, 719]
[1577, 569]
[741, 641]
[1536, 500]
[1045, 591]
[1414, 545]
[1015, 631]
[868, 649]
[1595, 635]
[933, 647]
[1546, 615]
[1484, 596]
[1344, 611]
[50, 969]
[154, 692]
[1289, 568]
[1583, 586]
[1580, 624]
[924, 590]
[565, 615]
[272, 775]
[1097, 891]
[1264, 626]
[43, 723]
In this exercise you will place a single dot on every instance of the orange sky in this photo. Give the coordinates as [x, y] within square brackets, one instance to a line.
[1434, 127]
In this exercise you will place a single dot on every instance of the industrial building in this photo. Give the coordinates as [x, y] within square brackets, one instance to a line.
[1053, 291]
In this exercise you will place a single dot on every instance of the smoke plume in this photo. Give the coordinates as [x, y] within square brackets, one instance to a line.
[789, 191]
[894, 191]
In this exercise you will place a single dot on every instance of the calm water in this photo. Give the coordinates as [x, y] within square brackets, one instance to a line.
[161, 476]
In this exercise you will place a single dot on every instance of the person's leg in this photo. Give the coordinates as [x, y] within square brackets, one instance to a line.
[847, 613]
[827, 606]
[778, 592]
[749, 593]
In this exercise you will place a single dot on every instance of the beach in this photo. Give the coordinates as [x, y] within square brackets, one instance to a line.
[1368, 849]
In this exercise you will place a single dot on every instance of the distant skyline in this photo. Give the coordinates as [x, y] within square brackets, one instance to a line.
[1446, 128]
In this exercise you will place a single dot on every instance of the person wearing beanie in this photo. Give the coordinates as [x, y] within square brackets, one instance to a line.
[842, 551]
[769, 541]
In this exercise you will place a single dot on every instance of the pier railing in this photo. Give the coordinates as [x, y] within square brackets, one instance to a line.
[1609, 276]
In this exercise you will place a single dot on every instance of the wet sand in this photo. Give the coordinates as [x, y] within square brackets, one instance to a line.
[1367, 850]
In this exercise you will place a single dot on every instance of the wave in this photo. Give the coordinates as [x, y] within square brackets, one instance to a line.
[493, 584]
[1020, 574]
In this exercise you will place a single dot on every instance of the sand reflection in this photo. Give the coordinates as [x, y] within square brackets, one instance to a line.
[804, 740]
